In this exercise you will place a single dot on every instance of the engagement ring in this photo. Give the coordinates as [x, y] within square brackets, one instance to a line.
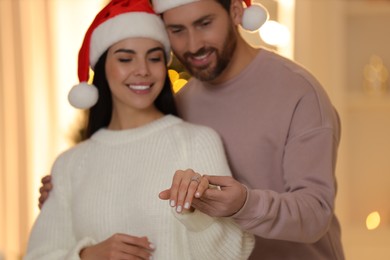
[196, 178]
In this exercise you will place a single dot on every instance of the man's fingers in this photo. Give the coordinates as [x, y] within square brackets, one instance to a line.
[46, 179]
[44, 190]
[46, 187]
[42, 199]
[219, 180]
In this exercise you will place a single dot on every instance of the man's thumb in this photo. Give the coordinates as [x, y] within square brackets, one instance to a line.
[218, 180]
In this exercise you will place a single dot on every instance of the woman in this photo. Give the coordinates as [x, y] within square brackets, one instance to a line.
[105, 202]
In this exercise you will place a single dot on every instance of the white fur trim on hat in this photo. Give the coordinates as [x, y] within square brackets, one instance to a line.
[83, 95]
[125, 26]
[254, 17]
[161, 6]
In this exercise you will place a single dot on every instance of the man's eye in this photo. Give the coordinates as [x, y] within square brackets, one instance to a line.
[177, 30]
[206, 23]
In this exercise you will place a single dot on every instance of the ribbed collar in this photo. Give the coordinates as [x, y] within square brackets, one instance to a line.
[114, 137]
[255, 64]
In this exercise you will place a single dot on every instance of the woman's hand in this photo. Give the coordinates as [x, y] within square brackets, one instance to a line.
[119, 246]
[185, 186]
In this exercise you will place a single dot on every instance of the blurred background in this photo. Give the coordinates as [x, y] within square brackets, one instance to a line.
[344, 43]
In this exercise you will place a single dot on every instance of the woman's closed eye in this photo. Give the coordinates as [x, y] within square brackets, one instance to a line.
[156, 59]
[125, 59]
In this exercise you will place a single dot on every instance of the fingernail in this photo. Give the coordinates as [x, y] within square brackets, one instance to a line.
[178, 209]
[197, 195]
[172, 203]
[187, 205]
[152, 246]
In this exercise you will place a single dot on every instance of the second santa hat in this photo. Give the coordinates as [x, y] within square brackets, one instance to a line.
[119, 20]
[255, 15]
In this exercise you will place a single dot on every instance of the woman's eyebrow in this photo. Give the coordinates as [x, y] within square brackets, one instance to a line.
[130, 51]
[155, 49]
[125, 50]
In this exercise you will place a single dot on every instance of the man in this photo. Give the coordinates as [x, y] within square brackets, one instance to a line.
[280, 131]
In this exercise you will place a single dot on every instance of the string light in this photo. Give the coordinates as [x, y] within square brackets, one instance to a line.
[373, 220]
[177, 82]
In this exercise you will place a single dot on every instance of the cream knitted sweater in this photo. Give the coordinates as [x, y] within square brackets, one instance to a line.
[110, 184]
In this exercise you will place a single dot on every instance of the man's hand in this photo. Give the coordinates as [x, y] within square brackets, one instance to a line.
[119, 246]
[223, 202]
[44, 190]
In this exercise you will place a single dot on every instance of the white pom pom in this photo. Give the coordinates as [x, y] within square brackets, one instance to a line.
[83, 96]
[254, 17]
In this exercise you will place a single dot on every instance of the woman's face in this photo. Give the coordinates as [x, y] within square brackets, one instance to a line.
[136, 71]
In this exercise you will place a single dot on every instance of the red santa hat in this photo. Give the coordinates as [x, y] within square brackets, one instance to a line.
[119, 20]
[255, 15]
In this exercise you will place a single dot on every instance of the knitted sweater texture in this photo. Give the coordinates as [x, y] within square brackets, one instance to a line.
[110, 184]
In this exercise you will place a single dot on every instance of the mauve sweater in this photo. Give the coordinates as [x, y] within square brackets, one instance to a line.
[281, 134]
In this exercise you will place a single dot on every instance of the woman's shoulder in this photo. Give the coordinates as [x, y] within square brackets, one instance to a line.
[196, 131]
[74, 151]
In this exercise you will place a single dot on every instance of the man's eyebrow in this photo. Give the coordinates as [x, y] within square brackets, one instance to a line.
[194, 23]
[201, 19]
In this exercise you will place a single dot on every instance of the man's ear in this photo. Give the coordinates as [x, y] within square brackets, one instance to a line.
[236, 11]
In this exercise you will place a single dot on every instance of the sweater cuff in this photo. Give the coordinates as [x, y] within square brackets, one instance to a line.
[194, 221]
[239, 213]
[74, 254]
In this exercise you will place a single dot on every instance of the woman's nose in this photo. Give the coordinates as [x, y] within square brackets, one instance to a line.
[142, 68]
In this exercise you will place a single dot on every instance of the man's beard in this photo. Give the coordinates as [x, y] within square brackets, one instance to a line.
[207, 73]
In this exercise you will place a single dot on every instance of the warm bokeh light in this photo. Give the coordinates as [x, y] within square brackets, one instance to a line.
[178, 84]
[376, 75]
[274, 33]
[373, 220]
[91, 75]
[173, 75]
[286, 16]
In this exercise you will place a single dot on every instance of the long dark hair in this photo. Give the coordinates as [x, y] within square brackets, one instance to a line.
[99, 115]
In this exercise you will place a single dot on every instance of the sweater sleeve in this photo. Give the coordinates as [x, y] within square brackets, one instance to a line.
[52, 234]
[220, 238]
[303, 212]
